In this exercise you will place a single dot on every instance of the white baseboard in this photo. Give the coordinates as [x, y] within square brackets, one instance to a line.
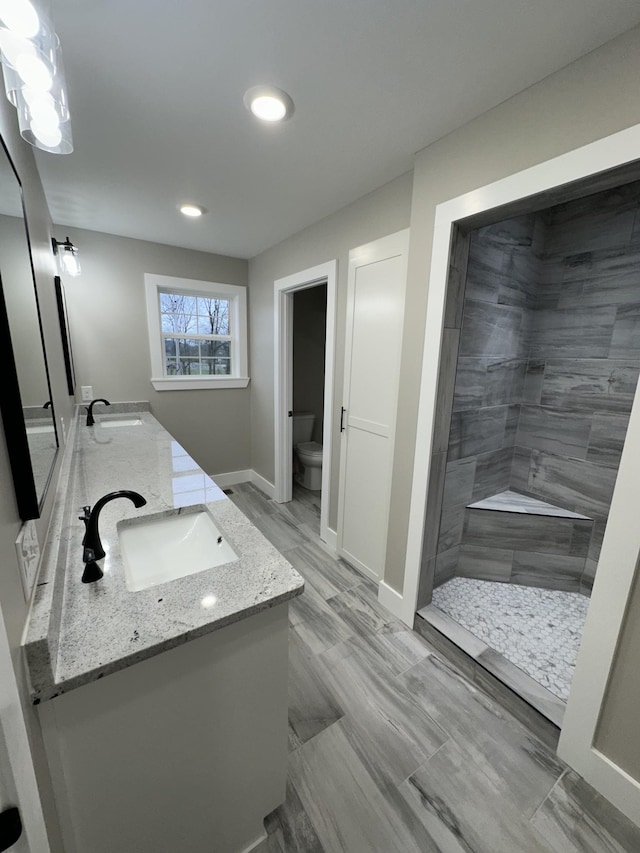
[394, 602]
[263, 484]
[232, 478]
[331, 539]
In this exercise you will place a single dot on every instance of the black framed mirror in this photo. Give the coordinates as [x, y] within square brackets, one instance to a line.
[66, 337]
[25, 401]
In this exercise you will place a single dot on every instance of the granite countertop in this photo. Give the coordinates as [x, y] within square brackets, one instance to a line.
[77, 633]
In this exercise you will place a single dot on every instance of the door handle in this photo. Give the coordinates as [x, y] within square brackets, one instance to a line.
[10, 828]
[342, 411]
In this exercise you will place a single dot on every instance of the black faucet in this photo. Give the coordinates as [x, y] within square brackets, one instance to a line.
[47, 404]
[89, 408]
[92, 546]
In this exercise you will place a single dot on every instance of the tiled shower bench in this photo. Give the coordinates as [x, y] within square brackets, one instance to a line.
[514, 538]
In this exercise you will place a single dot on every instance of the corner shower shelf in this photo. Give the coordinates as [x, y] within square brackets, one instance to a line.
[510, 501]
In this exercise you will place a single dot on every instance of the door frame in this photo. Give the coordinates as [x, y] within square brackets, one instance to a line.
[284, 289]
[621, 546]
[20, 774]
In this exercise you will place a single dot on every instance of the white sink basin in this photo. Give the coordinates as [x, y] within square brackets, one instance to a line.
[168, 547]
[121, 422]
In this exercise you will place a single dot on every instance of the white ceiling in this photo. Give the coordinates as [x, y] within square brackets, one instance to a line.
[156, 92]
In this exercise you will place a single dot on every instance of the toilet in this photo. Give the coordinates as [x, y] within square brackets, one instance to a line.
[307, 453]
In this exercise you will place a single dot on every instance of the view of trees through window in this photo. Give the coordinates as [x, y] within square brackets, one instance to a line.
[196, 334]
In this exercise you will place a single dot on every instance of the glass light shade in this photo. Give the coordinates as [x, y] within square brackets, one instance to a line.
[44, 122]
[12, 84]
[69, 262]
[14, 47]
[20, 17]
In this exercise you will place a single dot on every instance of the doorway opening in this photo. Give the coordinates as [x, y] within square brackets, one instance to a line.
[536, 390]
[305, 308]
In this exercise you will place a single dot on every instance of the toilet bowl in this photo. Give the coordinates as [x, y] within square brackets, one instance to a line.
[307, 453]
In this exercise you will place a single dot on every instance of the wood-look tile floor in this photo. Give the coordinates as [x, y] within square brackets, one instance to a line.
[393, 750]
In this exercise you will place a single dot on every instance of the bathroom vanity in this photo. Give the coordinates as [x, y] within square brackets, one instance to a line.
[163, 702]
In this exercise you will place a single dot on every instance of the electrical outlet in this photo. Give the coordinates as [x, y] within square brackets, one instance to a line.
[87, 393]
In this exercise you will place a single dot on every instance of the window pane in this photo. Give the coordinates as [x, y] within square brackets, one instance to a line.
[170, 365]
[188, 349]
[211, 349]
[179, 323]
[213, 316]
[216, 366]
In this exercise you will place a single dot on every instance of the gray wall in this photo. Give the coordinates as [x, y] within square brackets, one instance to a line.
[375, 215]
[107, 316]
[309, 345]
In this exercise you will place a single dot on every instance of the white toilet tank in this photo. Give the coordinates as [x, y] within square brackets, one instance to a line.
[302, 427]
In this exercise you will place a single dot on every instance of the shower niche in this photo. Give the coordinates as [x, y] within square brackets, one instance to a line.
[539, 367]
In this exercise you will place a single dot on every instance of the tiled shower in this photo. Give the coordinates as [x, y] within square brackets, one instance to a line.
[542, 330]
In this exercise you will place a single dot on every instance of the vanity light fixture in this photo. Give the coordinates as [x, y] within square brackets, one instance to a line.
[67, 256]
[34, 76]
[269, 103]
[192, 210]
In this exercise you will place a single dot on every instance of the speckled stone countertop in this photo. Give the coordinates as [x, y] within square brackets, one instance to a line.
[77, 633]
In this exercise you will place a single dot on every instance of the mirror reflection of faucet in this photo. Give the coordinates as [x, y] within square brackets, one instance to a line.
[92, 549]
[89, 409]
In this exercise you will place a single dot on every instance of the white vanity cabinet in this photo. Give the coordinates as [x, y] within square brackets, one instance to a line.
[184, 752]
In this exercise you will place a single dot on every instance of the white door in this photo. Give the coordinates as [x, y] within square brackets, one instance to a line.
[375, 311]
[17, 777]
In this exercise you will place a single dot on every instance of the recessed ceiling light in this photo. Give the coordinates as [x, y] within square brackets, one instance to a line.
[193, 210]
[268, 103]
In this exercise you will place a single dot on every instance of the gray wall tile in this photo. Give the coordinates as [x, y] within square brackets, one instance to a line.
[596, 540]
[625, 342]
[433, 509]
[581, 539]
[458, 491]
[533, 382]
[491, 564]
[608, 432]
[581, 486]
[492, 473]
[457, 279]
[477, 431]
[445, 566]
[550, 571]
[590, 384]
[554, 430]
[490, 330]
[575, 332]
[518, 532]
[588, 576]
[446, 383]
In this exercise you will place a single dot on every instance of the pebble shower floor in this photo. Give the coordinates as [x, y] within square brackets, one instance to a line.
[539, 630]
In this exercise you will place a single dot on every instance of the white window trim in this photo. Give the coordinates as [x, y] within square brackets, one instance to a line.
[238, 295]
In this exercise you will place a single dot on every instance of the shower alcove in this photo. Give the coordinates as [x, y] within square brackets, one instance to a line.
[539, 366]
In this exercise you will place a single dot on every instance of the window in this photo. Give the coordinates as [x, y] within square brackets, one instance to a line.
[197, 333]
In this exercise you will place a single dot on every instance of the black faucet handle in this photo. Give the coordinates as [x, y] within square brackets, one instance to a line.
[92, 571]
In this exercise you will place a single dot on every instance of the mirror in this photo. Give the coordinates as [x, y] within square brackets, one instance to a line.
[27, 411]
